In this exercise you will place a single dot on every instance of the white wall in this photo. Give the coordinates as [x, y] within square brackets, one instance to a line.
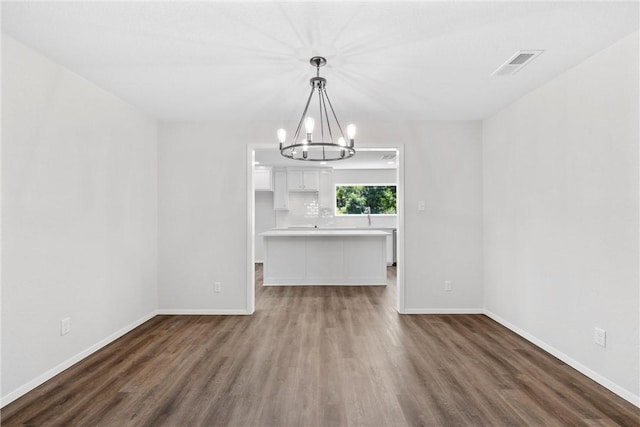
[79, 220]
[364, 176]
[444, 242]
[202, 212]
[561, 214]
[202, 203]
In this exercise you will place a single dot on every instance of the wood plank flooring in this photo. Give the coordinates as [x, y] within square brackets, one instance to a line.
[321, 356]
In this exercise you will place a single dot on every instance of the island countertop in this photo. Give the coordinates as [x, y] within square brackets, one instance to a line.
[323, 232]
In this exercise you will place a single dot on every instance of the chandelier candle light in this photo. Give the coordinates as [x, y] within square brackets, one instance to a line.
[325, 148]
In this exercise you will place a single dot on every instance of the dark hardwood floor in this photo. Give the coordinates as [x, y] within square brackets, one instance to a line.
[321, 356]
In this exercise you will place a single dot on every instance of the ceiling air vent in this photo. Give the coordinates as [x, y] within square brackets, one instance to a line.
[516, 62]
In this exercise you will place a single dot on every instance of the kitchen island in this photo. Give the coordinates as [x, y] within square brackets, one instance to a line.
[325, 257]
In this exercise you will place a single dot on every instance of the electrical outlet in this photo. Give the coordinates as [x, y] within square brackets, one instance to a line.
[421, 205]
[600, 337]
[65, 326]
[217, 287]
[447, 285]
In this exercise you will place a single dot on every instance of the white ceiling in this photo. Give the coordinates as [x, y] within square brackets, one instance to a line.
[248, 61]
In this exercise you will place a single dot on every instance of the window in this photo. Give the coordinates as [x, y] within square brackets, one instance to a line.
[355, 199]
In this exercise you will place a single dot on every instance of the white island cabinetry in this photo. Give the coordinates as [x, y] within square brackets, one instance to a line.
[325, 257]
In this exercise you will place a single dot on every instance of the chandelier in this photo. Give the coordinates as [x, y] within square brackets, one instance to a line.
[331, 143]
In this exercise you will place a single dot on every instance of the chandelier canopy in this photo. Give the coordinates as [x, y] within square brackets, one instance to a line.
[331, 143]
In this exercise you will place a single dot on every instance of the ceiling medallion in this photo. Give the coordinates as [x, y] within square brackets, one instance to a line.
[325, 148]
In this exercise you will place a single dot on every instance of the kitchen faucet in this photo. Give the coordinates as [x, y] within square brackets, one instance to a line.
[367, 210]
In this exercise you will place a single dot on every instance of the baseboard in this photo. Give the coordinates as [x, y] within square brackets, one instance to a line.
[326, 284]
[442, 311]
[203, 312]
[606, 383]
[24, 389]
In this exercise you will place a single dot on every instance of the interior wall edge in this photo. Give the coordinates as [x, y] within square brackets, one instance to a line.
[41, 379]
[603, 381]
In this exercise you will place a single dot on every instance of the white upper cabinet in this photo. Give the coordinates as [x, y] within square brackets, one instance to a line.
[302, 180]
[280, 191]
[326, 190]
[262, 179]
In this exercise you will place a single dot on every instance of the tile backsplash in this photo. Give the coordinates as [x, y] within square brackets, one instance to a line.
[304, 211]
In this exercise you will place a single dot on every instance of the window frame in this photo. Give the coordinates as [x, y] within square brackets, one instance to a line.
[335, 198]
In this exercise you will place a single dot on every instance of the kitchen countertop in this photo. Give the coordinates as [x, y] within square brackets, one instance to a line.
[304, 232]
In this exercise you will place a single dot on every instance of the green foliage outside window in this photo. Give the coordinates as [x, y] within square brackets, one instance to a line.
[354, 199]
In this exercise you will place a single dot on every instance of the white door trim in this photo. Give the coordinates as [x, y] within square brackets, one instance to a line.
[251, 228]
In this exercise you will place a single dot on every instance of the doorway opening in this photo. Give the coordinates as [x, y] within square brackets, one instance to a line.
[375, 167]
